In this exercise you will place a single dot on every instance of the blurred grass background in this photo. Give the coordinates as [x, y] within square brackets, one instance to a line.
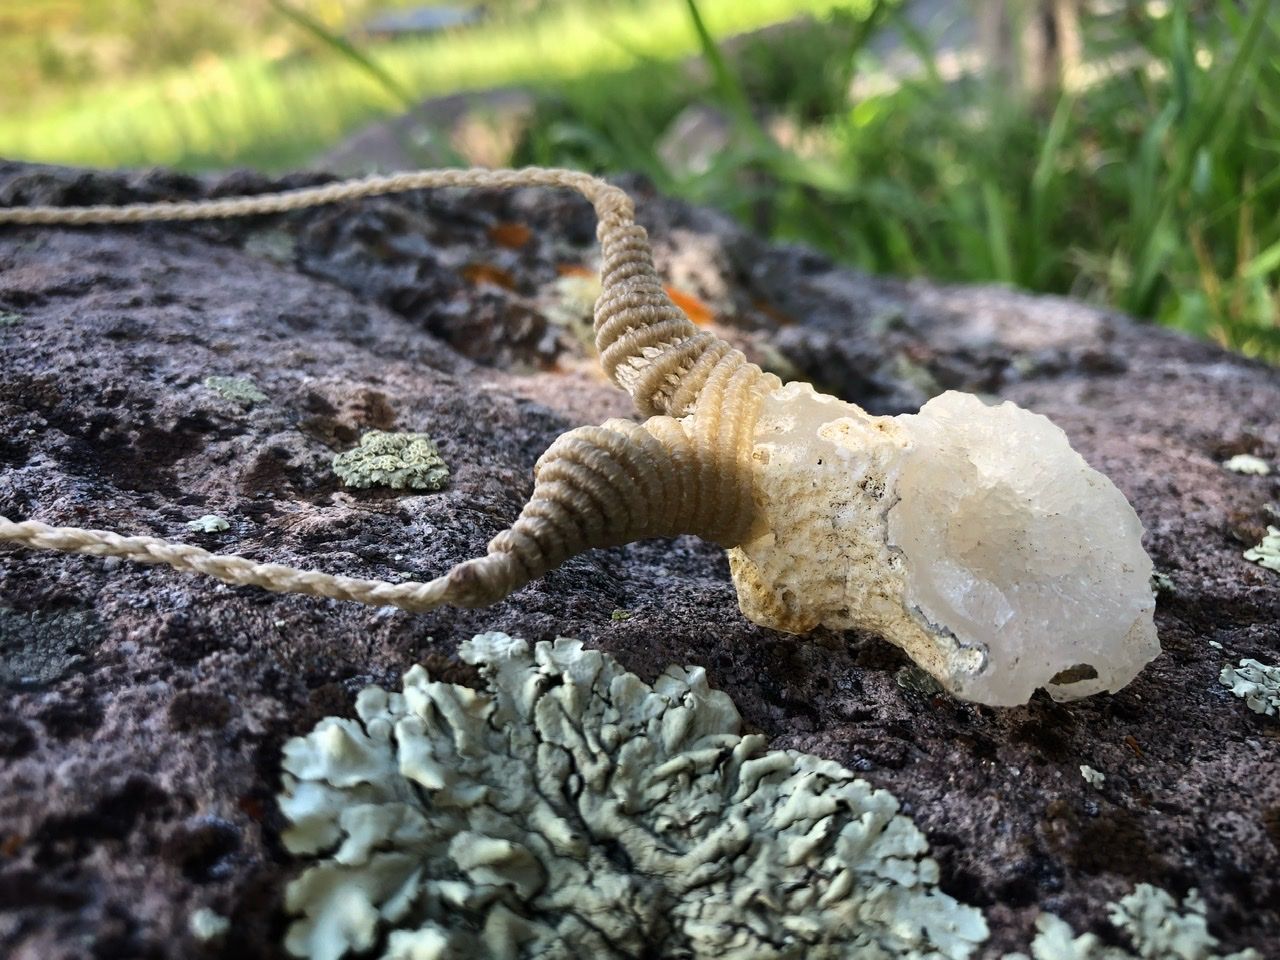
[1122, 152]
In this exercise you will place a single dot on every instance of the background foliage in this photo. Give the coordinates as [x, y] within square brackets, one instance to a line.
[1153, 185]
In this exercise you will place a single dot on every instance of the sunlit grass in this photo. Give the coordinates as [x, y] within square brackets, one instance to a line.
[252, 110]
[1156, 191]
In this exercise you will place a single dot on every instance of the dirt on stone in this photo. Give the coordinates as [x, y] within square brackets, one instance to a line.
[145, 709]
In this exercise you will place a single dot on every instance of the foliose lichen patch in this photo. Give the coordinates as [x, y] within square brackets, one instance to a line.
[572, 810]
[1256, 683]
[209, 523]
[1247, 464]
[1152, 921]
[396, 460]
[239, 390]
[206, 925]
[1267, 553]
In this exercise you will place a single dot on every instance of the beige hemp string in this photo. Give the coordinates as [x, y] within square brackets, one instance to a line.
[684, 470]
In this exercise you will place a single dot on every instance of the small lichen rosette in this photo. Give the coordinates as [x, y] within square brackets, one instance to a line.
[395, 460]
[1256, 683]
[575, 811]
[972, 536]
[1150, 918]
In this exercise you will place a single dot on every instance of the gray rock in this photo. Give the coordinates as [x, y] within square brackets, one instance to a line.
[138, 787]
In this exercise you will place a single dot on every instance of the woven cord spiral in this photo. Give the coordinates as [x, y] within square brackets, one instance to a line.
[594, 487]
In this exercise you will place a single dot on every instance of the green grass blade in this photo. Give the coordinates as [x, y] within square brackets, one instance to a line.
[1220, 108]
[727, 82]
[1044, 182]
[1267, 261]
[997, 233]
[344, 48]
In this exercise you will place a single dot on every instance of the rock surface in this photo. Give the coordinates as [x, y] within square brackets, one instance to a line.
[140, 746]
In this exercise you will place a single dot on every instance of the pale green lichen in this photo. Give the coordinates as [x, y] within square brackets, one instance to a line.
[1162, 583]
[396, 460]
[206, 925]
[1154, 924]
[276, 245]
[569, 302]
[572, 810]
[1267, 553]
[8, 319]
[239, 390]
[1055, 940]
[39, 648]
[1256, 683]
[1095, 778]
[209, 523]
[1245, 463]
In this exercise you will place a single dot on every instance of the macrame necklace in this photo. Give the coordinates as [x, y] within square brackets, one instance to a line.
[832, 517]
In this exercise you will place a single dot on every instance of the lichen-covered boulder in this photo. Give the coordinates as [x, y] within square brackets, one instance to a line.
[146, 709]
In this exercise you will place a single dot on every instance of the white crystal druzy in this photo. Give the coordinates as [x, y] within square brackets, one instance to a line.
[1013, 542]
[972, 536]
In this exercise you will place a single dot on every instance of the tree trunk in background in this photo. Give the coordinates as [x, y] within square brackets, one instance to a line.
[1034, 46]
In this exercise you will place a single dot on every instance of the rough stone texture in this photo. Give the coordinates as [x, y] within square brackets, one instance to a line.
[141, 752]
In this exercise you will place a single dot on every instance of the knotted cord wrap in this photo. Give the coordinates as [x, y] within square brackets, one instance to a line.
[684, 470]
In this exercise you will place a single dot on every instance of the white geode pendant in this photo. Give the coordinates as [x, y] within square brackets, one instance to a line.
[972, 536]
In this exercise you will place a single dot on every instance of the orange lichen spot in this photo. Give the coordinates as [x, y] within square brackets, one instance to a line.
[1132, 744]
[513, 236]
[477, 274]
[10, 844]
[574, 270]
[693, 308]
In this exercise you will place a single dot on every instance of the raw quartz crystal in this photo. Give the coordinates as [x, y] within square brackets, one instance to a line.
[972, 536]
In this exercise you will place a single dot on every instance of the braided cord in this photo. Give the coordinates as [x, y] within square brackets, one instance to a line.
[604, 196]
[237, 570]
[594, 487]
[646, 343]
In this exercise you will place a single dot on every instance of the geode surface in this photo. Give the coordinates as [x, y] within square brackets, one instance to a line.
[972, 536]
